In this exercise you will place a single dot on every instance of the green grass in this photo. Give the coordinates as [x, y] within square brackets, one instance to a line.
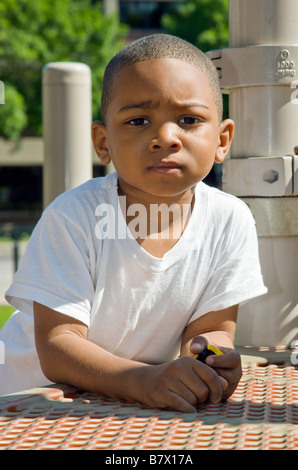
[5, 313]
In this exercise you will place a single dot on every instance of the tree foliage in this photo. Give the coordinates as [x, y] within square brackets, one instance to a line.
[36, 32]
[204, 23]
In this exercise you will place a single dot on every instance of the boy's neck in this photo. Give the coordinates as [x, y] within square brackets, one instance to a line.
[157, 222]
[136, 196]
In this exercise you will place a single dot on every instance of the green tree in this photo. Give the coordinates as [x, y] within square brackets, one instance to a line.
[36, 32]
[204, 23]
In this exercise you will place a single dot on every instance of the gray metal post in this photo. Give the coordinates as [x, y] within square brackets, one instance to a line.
[66, 125]
[259, 71]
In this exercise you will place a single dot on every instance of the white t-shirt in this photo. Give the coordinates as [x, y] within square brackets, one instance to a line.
[83, 261]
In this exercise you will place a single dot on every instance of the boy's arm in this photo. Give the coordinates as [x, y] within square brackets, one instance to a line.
[217, 329]
[67, 356]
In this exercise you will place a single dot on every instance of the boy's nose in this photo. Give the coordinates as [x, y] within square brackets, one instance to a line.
[166, 138]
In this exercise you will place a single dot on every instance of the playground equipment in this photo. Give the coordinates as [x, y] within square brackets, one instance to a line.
[259, 72]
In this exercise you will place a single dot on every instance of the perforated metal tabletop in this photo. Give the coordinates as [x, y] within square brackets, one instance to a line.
[262, 414]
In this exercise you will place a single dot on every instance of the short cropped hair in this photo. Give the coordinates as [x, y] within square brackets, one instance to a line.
[160, 46]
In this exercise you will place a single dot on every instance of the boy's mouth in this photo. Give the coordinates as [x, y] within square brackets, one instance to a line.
[165, 167]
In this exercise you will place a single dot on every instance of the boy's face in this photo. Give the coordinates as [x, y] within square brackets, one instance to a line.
[162, 130]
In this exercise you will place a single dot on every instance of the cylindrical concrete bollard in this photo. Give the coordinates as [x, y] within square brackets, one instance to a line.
[67, 115]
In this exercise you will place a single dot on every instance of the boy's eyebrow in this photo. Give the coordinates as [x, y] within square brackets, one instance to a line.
[193, 105]
[143, 104]
[152, 104]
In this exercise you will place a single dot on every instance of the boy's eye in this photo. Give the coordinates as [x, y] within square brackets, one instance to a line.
[189, 120]
[138, 122]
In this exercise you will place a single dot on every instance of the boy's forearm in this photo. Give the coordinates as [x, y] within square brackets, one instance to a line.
[70, 359]
[217, 328]
[67, 356]
[179, 384]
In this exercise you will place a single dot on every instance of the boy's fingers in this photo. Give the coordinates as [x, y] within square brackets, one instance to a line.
[230, 359]
[197, 382]
[188, 396]
[191, 384]
[224, 383]
[178, 403]
[214, 382]
[198, 344]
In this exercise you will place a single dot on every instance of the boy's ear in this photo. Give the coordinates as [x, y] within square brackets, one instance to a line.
[226, 133]
[99, 139]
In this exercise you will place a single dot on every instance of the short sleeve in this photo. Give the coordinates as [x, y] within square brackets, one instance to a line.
[55, 270]
[236, 277]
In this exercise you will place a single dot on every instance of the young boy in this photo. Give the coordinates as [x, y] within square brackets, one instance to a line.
[128, 277]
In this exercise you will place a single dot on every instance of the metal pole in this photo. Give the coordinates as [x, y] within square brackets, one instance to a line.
[265, 32]
[66, 125]
[259, 71]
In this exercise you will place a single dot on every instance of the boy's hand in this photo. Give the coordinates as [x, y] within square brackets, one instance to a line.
[181, 384]
[227, 365]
